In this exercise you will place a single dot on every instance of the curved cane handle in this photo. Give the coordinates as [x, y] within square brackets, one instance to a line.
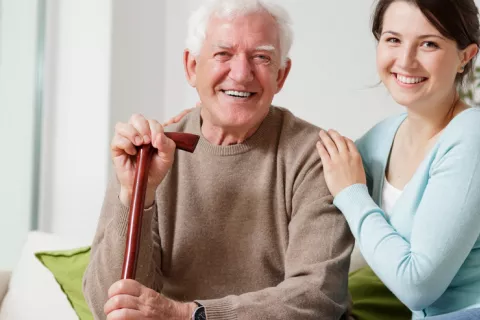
[184, 141]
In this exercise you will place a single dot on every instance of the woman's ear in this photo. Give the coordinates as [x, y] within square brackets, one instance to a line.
[468, 54]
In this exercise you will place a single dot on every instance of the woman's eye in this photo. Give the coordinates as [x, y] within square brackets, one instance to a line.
[430, 44]
[393, 40]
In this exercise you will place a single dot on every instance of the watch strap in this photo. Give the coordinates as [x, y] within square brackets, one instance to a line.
[199, 312]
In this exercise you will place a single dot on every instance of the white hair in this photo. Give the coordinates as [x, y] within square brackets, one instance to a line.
[198, 21]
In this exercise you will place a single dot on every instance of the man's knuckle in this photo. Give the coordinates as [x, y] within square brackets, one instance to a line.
[116, 301]
[148, 306]
[122, 285]
[137, 116]
[119, 126]
[148, 311]
[123, 314]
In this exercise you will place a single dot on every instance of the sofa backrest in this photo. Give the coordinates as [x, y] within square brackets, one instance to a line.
[4, 279]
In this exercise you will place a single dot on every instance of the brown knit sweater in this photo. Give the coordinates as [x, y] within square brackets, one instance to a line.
[247, 230]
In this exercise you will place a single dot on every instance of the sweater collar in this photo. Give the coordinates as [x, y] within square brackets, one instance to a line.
[252, 142]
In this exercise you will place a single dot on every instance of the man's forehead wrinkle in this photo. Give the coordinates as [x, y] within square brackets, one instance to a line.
[222, 45]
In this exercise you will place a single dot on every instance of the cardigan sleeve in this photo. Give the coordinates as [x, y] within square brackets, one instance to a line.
[445, 226]
[362, 146]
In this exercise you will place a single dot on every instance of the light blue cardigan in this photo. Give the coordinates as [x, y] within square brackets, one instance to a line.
[428, 253]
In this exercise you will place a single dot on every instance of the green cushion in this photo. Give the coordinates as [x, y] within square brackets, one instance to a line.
[372, 300]
[68, 267]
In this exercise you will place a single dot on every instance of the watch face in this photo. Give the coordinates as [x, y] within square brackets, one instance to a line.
[199, 313]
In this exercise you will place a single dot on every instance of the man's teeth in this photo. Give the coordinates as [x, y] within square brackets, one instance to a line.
[238, 93]
[410, 80]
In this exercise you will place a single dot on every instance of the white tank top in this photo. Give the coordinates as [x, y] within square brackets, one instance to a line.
[390, 195]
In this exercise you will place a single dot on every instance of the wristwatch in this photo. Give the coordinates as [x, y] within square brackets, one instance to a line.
[199, 313]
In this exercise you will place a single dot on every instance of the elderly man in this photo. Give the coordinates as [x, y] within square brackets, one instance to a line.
[243, 228]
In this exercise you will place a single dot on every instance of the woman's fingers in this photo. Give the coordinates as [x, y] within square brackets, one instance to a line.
[339, 141]
[328, 144]
[323, 153]
[178, 117]
[182, 114]
[352, 148]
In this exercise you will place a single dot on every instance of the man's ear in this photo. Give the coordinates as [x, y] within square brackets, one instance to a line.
[190, 66]
[282, 75]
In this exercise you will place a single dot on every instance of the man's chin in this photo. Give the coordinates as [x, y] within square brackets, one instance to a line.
[235, 122]
[234, 116]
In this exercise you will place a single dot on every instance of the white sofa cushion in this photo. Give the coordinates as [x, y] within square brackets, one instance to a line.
[357, 261]
[33, 291]
[4, 279]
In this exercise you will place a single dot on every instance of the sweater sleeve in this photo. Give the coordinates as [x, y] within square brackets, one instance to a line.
[316, 264]
[445, 226]
[108, 248]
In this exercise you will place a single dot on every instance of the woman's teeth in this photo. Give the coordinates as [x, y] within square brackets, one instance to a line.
[410, 80]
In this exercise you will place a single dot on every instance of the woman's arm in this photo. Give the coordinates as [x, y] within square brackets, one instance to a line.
[445, 226]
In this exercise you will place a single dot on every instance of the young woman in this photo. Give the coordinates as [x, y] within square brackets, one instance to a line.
[413, 203]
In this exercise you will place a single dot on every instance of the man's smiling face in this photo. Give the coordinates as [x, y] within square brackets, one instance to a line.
[238, 70]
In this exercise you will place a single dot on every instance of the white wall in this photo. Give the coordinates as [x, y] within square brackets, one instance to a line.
[137, 59]
[75, 151]
[18, 53]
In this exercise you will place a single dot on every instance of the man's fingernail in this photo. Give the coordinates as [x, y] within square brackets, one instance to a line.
[146, 139]
[138, 140]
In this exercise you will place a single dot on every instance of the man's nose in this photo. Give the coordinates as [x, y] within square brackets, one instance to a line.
[241, 70]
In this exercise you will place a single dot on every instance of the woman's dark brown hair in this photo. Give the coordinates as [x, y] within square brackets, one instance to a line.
[454, 19]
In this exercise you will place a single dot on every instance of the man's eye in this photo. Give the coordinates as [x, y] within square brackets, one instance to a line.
[261, 58]
[222, 54]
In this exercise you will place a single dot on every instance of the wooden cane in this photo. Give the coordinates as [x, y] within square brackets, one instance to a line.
[183, 141]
